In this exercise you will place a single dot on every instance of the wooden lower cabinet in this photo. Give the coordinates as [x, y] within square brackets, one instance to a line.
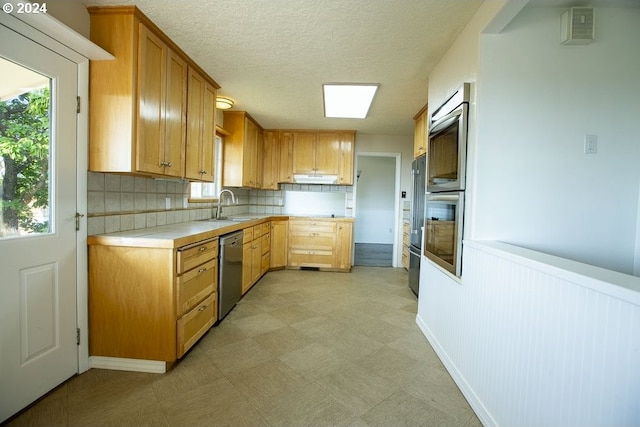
[279, 244]
[151, 303]
[255, 253]
[326, 245]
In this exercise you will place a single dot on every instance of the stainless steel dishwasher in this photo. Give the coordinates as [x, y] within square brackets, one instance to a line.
[230, 273]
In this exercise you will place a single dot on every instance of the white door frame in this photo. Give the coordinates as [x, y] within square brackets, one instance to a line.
[50, 33]
[397, 228]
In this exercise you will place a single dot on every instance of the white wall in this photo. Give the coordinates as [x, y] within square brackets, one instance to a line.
[375, 200]
[537, 98]
[71, 13]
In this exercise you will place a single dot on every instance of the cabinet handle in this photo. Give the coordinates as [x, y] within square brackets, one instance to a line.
[203, 308]
[204, 248]
[202, 270]
[203, 172]
[169, 164]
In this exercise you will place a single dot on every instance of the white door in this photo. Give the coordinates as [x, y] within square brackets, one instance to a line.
[38, 348]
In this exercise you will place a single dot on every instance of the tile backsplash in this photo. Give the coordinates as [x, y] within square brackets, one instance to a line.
[122, 202]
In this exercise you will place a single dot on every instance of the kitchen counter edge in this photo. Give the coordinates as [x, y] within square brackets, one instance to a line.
[181, 234]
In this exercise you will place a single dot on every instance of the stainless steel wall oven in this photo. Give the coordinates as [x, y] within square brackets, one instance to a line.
[446, 173]
[447, 150]
[443, 228]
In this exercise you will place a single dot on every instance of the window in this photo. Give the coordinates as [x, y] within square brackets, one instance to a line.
[25, 161]
[206, 191]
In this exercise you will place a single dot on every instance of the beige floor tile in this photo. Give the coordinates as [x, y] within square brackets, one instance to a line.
[206, 405]
[302, 348]
[267, 382]
[351, 344]
[258, 324]
[192, 371]
[51, 410]
[282, 341]
[391, 365]
[224, 333]
[358, 389]
[293, 314]
[315, 361]
[310, 406]
[238, 356]
[318, 327]
[403, 409]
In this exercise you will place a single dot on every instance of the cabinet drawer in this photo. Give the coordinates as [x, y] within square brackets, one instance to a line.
[313, 226]
[196, 323]
[247, 235]
[266, 243]
[309, 258]
[198, 253]
[266, 260]
[266, 228]
[312, 241]
[196, 284]
[257, 231]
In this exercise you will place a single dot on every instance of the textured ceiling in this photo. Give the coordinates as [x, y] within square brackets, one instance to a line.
[272, 56]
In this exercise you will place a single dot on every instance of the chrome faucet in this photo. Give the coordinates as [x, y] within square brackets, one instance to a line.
[233, 200]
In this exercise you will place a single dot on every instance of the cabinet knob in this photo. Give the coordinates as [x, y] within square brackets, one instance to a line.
[202, 270]
[204, 248]
[203, 308]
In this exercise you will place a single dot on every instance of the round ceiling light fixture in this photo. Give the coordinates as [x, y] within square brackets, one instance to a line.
[224, 102]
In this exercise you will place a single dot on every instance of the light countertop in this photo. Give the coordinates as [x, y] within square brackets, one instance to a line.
[185, 233]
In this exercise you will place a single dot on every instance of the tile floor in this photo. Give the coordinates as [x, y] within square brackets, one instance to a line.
[302, 348]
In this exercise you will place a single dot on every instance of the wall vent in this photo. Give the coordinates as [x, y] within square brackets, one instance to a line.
[578, 26]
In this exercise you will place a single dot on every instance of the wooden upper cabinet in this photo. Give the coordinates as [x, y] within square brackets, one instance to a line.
[328, 153]
[324, 153]
[200, 128]
[420, 132]
[271, 159]
[304, 152]
[347, 147]
[241, 166]
[286, 157]
[138, 103]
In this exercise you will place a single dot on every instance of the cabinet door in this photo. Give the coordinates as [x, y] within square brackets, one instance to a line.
[247, 256]
[249, 157]
[152, 59]
[328, 153]
[286, 157]
[259, 154]
[304, 152]
[195, 122]
[208, 134]
[279, 243]
[256, 260]
[420, 133]
[175, 118]
[271, 156]
[343, 245]
[347, 141]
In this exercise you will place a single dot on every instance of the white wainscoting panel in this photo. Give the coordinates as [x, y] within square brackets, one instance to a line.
[532, 344]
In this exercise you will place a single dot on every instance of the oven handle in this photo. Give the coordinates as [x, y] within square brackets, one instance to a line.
[412, 252]
[446, 121]
[443, 197]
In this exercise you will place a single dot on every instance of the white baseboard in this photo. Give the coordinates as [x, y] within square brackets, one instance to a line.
[477, 406]
[123, 364]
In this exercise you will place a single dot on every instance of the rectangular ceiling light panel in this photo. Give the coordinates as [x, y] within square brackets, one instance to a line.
[349, 101]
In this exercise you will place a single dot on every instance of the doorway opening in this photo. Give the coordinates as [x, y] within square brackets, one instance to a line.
[376, 209]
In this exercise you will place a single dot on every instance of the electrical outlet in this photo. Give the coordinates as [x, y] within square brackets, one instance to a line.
[167, 202]
[591, 144]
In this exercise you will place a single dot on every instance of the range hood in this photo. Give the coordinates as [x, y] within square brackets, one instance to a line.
[315, 179]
